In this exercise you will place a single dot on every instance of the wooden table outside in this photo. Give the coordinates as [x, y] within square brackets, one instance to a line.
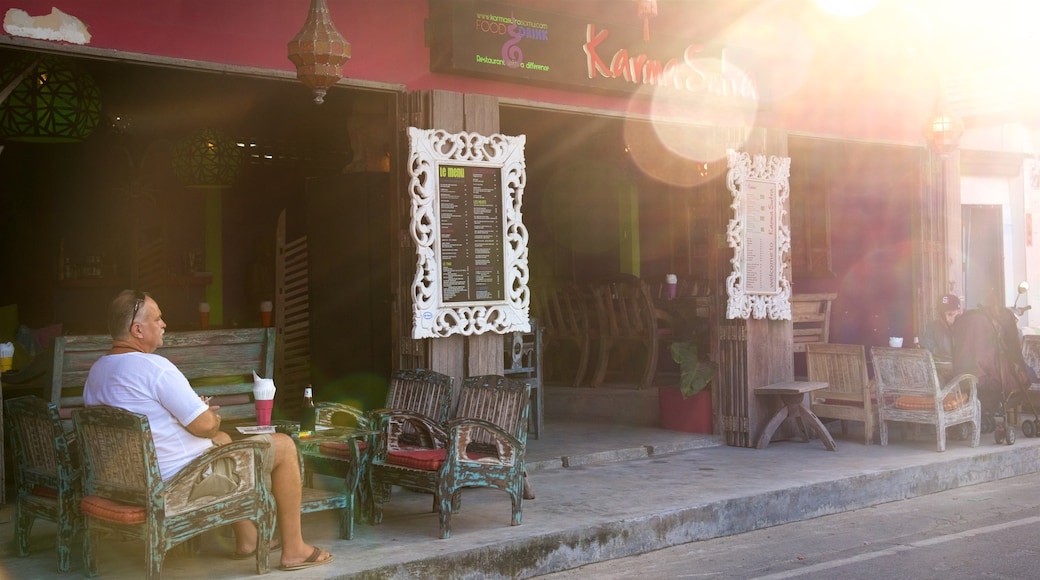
[792, 398]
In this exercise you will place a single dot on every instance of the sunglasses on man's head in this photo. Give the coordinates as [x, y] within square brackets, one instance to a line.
[138, 301]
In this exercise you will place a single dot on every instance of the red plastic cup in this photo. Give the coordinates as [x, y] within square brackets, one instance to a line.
[203, 315]
[265, 313]
[263, 411]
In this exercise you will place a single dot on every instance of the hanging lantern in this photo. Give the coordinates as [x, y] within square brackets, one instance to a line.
[207, 158]
[319, 51]
[646, 9]
[944, 131]
[55, 103]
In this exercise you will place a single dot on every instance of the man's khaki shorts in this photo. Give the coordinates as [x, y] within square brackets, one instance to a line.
[221, 480]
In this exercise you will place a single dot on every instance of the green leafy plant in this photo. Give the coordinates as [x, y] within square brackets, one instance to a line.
[695, 371]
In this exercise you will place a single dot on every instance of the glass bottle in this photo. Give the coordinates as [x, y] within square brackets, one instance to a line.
[307, 413]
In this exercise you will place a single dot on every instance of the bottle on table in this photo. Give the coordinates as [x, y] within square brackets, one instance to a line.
[307, 414]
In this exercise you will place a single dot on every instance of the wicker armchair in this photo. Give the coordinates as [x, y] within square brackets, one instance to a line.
[48, 480]
[124, 494]
[848, 395]
[908, 389]
[484, 445]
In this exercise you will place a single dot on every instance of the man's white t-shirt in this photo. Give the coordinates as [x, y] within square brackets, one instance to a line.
[149, 384]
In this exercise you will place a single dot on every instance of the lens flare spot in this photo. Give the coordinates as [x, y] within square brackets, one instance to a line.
[846, 8]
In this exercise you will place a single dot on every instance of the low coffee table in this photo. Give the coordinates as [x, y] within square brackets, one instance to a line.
[349, 461]
[792, 399]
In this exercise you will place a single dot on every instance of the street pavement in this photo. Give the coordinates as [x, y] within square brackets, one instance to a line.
[603, 492]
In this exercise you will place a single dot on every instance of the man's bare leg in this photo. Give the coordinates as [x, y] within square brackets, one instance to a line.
[286, 487]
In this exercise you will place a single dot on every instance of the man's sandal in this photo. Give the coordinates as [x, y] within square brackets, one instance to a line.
[309, 562]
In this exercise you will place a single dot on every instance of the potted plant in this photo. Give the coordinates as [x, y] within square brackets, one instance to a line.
[688, 407]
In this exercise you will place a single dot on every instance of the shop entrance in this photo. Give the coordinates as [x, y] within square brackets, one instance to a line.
[983, 237]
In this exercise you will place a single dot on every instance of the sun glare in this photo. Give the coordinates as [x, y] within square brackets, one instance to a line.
[846, 8]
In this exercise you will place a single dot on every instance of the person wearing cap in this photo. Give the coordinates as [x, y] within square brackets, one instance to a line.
[938, 334]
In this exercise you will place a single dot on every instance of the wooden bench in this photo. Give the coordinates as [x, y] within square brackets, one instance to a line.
[217, 363]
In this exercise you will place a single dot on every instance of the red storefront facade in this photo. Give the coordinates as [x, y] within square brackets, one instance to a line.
[825, 100]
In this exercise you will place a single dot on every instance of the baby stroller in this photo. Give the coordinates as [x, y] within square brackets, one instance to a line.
[990, 341]
[1016, 378]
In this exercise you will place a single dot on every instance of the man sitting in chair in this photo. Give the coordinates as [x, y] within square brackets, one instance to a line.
[184, 426]
[938, 335]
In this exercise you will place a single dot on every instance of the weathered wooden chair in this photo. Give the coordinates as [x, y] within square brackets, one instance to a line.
[626, 315]
[425, 393]
[47, 477]
[484, 445]
[124, 494]
[563, 313]
[848, 394]
[811, 318]
[1031, 351]
[1028, 398]
[908, 389]
[523, 361]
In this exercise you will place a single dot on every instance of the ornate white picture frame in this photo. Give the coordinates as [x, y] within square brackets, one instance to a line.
[471, 273]
[760, 237]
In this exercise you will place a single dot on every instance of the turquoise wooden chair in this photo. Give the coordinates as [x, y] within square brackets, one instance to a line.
[48, 480]
[125, 496]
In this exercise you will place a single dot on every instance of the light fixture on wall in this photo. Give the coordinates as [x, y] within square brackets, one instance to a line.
[319, 51]
[207, 158]
[55, 102]
[944, 131]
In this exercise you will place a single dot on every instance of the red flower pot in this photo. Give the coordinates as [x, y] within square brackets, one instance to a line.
[692, 415]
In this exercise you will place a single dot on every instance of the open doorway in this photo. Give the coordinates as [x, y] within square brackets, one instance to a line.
[983, 239]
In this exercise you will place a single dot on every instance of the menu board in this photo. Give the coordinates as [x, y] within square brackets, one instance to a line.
[758, 233]
[471, 259]
[761, 256]
[466, 193]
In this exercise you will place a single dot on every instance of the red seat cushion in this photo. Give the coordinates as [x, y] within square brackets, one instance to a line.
[425, 459]
[44, 491]
[339, 449]
[112, 511]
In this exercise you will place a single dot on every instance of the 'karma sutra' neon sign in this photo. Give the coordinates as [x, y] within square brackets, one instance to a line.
[689, 74]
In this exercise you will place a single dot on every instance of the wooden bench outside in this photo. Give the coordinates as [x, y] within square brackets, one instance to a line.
[217, 363]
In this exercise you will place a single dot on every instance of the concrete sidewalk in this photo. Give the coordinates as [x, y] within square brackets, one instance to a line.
[624, 491]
